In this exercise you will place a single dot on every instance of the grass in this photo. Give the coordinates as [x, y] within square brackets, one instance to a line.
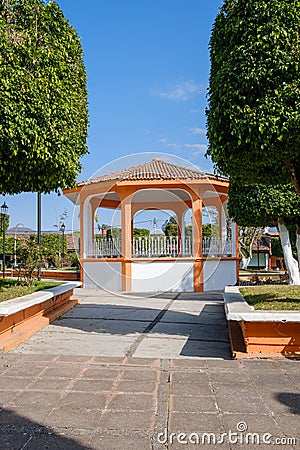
[273, 297]
[9, 289]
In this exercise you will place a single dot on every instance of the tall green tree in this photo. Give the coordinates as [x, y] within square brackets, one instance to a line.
[260, 206]
[43, 98]
[253, 113]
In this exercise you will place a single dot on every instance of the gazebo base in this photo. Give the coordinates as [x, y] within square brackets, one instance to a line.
[160, 275]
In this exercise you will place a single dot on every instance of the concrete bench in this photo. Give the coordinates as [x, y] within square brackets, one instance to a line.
[260, 332]
[21, 317]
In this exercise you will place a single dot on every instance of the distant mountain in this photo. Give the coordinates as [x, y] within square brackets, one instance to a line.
[19, 230]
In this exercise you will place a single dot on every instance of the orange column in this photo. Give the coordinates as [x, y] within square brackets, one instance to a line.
[197, 245]
[126, 213]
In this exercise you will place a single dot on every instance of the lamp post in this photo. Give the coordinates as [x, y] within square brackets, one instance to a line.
[4, 209]
[62, 228]
[15, 242]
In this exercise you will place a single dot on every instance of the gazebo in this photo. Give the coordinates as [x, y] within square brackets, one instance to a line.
[156, 263]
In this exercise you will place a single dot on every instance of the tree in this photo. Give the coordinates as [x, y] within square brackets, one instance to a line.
[260, 206]
[253, 113]
[247, 237]
[170, 227]
[43, 98]
[6, 223]
[141, 232]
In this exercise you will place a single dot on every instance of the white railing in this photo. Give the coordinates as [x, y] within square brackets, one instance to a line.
[107, 248]
[160, 246]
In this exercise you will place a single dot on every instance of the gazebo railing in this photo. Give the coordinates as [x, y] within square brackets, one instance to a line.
[160, 246]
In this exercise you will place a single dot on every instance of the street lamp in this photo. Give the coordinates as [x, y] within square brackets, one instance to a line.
[4, 209]
[62, 229]
[15, 242]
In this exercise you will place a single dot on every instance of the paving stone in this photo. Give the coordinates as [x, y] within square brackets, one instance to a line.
[96, 393]
[37, 356]
[58, 441]
[136, 386]
[191, 403]
[121, 442]
[92, 385]
[73, 359]
[289, 424]
[129, 420]
[153, 362]
[13, 441]
[84, 399]
[228, 377]
[104, 360]
[62, 371]
[193, 422]
[7, 396]
[133, 402]
[69, 416]
[255, 423]
[188, 363]
[29, 416]
[45, 384]
[195, 377]
[10, 383]
[24, 370]
[190, 389]
[37, 398]
[138, 375]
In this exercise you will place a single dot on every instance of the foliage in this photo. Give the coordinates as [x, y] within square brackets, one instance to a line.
[10, 245]
[272, 297]
[43, 98]
[260, 206]
[6, 223]
[74, 261]
[141, 232]
[170, 227]
[253, 113]
[276, 247]
[11, 289]
[210, 230]
[31, 257]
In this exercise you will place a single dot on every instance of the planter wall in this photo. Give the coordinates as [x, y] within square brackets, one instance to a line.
[21, 317]
[260, 333]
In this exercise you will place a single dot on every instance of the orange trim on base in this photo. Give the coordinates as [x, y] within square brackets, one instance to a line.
[126, 276]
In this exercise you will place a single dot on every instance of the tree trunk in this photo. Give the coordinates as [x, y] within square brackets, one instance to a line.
[290, 262]
[245, 263]
[298, 243]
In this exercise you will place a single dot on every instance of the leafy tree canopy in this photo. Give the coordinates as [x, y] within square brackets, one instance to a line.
[43, 98]
[260, 206]
[254, 94]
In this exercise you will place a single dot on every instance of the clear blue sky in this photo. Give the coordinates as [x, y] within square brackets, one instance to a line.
[148, 66]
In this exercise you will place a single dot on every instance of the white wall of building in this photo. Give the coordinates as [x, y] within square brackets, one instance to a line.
[163, 276]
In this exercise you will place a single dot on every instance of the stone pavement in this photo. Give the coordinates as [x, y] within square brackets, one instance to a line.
[171, 325]
[78, 396]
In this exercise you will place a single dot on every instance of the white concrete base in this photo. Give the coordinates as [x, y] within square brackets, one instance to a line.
[102, 275]
[163, 276]
[218, 274]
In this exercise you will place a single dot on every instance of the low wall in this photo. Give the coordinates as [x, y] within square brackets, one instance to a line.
[259, 333]
[63, 275]
[21, 317]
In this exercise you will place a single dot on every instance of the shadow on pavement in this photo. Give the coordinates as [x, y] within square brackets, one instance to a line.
[19, 432]
[205, 331]
[291, 400]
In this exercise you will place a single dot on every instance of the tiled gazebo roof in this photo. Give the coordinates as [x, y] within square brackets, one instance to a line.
[152, 170]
